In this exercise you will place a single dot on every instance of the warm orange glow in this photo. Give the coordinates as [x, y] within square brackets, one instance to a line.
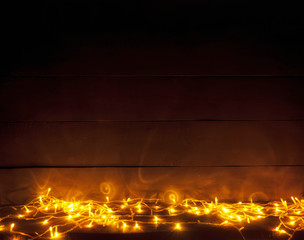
[137, 227]
[156, 219]
[12, 226]
[178, 226]
[55, 217]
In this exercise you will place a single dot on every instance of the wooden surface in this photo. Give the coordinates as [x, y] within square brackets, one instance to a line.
[90, 83]
[210, 90]
[259, 230]
[209, 233]
[128, 98]
[151, 143]
[226, 183]
[205, 232]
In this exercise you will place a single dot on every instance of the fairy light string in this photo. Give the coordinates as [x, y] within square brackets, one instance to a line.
[52, 218]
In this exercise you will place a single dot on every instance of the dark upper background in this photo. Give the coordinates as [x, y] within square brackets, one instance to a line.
[151, 38]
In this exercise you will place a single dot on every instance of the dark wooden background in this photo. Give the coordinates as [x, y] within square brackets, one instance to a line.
[209, 91]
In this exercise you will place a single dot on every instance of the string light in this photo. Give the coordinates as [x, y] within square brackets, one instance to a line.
[12, 226]
[53, 217]
[136, 226]
[178, 226]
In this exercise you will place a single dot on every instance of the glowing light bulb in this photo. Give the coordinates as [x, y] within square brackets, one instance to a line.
[178, 226]
[139, 208]
[171, 210]
[56, 234]
[226, 210]
[55, 207]
[48, 191]
[136, 226]
[27, 210]
[12, 227]
[186, 205]
[51, 232]
[124, 226]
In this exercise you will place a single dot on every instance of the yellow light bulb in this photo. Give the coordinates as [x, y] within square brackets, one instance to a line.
[178, 226]
[12, 226]
[136, 226]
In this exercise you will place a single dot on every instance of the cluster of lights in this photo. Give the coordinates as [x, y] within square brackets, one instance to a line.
[52, 218]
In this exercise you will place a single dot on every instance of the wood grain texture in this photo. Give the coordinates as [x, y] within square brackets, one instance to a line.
[134, 121]
[228, 184]
[150, 143]
[151, 98]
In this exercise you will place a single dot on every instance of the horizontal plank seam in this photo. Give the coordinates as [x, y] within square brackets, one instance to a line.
[156, 166]
[152, 121]
[151, 75]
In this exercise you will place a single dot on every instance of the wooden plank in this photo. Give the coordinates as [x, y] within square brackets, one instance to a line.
[163, 54]
[209, 233]
[151, 98]
[228, 184]
[150, 143]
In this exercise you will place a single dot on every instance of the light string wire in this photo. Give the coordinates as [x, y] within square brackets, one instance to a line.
[55, 217]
